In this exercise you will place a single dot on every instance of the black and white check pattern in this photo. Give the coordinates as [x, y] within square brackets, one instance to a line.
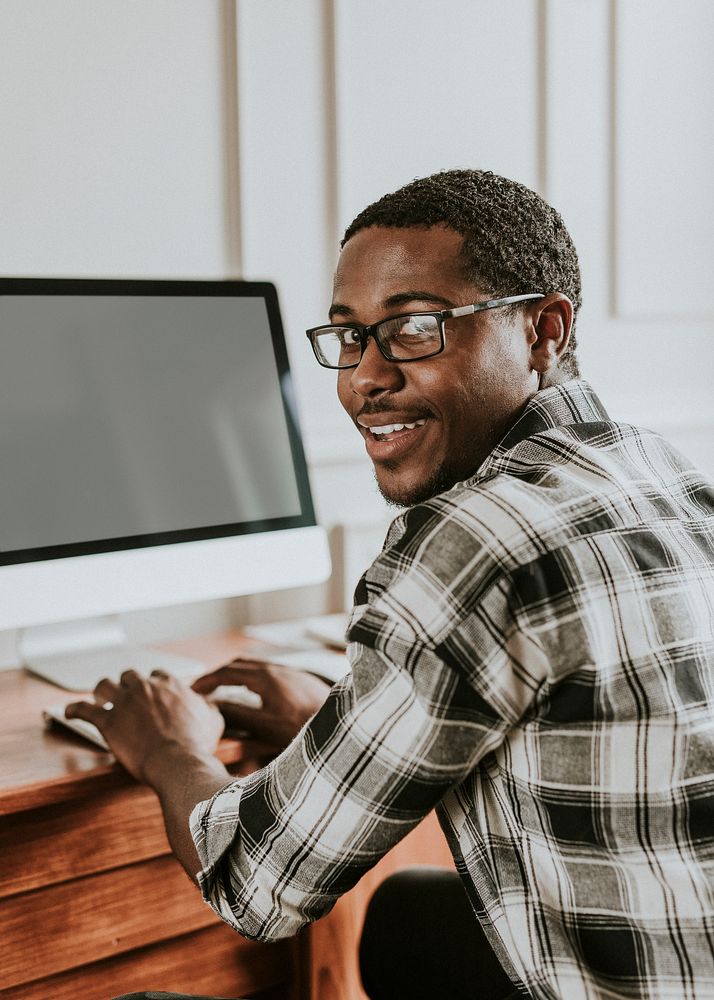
[532, 653]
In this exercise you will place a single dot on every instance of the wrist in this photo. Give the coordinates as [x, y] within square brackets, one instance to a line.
[182, 777]
[170, 763]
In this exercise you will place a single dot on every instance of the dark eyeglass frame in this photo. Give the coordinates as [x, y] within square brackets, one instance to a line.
[373, 330]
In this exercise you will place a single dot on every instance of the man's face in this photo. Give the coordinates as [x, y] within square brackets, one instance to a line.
[463, 400]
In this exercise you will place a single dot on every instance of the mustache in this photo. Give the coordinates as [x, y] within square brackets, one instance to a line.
[376, 407]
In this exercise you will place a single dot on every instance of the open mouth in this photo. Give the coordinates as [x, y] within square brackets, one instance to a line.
[389, 432]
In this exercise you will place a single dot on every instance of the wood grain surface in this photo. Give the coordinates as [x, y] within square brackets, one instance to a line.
[91, 903]
[78, 922]
[215, 961]
[40, 766]
[106, 831]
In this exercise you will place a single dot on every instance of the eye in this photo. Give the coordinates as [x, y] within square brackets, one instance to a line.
[417, 326]
[347, 337]
[411, 337]
[414, 330]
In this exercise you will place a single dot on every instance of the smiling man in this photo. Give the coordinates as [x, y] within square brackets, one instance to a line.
[531, 653]
[424, 431]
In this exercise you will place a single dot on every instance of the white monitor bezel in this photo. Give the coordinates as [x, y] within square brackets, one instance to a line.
[110, 576]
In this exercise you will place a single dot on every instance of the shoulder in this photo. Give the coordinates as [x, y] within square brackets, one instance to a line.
[443, 557]
[524, 507]
[512, 511]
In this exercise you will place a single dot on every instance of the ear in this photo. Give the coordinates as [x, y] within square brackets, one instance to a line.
[552, 319]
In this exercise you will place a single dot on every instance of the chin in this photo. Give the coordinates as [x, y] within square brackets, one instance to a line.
[408, 493]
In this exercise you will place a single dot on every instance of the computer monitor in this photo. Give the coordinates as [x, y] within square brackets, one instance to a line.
[149, 455]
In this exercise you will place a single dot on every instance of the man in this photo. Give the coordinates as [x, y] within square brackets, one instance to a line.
[531, 653]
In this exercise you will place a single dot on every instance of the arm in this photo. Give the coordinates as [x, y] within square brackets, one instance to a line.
[438, 678]
[165, 735]
[200, 777]
[279, 847]
[441, 672]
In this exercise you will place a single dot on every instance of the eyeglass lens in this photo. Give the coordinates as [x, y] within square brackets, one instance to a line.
[404, 338]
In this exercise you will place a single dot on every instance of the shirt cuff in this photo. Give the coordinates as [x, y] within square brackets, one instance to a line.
[214, 831]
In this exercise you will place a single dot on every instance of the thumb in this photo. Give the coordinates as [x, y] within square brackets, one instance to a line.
[237, 672]
[96, 714]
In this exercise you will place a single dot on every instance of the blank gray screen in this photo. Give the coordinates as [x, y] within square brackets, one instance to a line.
[132, 415]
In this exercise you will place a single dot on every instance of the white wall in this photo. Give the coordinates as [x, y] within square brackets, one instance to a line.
[605, 106]
[213, 138]
[113, 156]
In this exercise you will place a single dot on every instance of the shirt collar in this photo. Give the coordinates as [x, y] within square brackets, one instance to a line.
[572, 402]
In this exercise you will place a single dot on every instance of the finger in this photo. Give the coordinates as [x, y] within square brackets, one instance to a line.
[130, 678]
[105, 691]
[160, 674]
[237, 672]
[240, 716]
[95, 714]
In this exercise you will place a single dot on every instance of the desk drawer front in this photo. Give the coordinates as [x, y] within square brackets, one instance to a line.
[74, 923]
[46, 846]
[215, 960]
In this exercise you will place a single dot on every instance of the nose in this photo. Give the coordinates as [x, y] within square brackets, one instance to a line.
[374, 374]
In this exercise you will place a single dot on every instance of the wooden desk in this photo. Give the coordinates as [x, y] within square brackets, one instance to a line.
[92, 903]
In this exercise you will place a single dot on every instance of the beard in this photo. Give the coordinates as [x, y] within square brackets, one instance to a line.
[456, 468]
[439, 481]
[459, 465]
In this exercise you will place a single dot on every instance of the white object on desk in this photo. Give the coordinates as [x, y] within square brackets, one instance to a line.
[304, 643]
[77, 655]
[236, 694]
[83, 671]
[300, 644]
[318, 660]
[55, 714]
[300, 633]
[328, 629]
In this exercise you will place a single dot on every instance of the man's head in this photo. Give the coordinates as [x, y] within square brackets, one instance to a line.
[450, 240]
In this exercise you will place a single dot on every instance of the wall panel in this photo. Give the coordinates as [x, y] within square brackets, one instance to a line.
[620, 130]
[664, 125]
[112, 159]
[423, 86]
[286, 178]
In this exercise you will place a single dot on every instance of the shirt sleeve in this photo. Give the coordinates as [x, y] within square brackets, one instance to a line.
[437, 681]
[279, 847]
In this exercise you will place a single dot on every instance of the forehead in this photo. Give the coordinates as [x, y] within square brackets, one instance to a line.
[381, 261]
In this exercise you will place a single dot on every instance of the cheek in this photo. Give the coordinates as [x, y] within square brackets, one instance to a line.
[500, 374]
[344, 392]
[473, 406]
[465, 390]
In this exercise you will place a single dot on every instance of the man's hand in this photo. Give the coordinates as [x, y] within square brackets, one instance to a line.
[290, 697]
[146, 720]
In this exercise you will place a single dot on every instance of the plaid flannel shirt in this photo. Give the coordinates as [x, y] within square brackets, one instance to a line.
[532, 654]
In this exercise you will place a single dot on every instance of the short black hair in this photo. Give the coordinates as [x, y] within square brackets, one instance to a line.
[514, 241]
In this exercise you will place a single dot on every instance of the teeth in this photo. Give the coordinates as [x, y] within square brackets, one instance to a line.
[391, 428]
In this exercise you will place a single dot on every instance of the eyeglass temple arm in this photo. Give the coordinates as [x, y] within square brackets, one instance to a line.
[489, 304]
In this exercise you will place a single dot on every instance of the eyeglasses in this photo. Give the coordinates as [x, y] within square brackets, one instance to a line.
[410, 337]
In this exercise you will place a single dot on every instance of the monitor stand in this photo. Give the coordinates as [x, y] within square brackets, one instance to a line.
[77, 655]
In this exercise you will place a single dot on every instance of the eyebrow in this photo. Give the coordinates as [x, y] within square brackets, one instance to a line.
[394, 301]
